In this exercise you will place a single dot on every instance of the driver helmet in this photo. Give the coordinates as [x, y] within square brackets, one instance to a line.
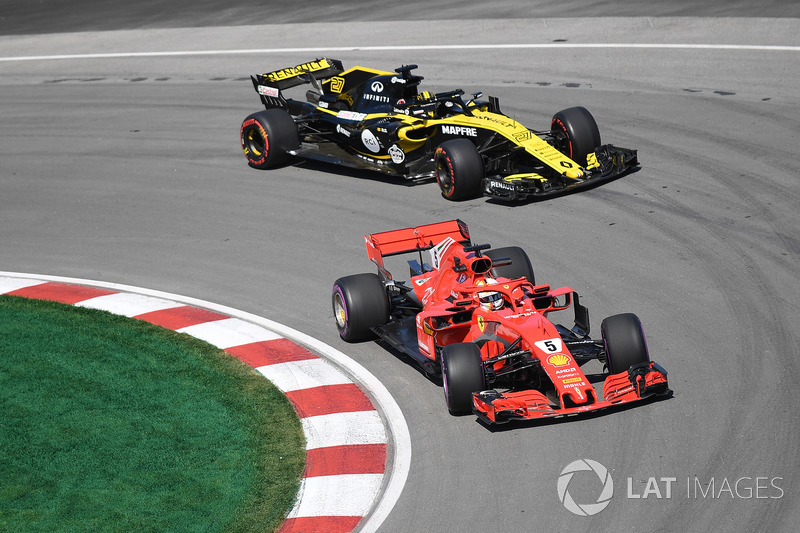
[424, 96]
[490, 300]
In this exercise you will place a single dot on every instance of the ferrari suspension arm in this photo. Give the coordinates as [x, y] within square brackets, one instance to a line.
[518, 360]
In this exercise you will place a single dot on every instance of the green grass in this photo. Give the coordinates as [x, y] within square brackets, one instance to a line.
[114, 424]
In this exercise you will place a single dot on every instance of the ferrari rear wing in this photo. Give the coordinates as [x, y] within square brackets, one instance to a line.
[401, 241]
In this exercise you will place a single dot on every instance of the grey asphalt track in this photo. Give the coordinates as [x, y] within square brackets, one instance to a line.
[128, 170]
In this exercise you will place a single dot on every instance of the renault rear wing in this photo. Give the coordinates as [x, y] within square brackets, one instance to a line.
[270, 84]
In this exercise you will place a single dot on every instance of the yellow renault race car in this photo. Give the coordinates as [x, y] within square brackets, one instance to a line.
[381, 121]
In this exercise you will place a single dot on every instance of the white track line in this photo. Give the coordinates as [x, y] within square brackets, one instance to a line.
[323, 50]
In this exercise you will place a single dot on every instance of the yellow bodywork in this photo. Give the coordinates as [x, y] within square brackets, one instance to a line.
[413, 136]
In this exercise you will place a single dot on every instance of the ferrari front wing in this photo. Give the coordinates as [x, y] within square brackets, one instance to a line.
[645, 380]
[609, 162]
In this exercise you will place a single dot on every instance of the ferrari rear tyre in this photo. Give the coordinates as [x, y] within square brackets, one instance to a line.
[459, 169]
[359, 303]
[520, 266]
[575, 133]
[267, 137]
[624, 341]
[462, 374]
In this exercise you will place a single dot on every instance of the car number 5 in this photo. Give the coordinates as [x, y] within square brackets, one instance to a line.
[549, 345]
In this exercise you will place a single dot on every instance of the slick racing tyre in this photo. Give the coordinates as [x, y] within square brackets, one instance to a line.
[359, 303]
[624, 341]
[459, 169]
[267, 137]
[462, 374]
[520, 266]
[575, 133]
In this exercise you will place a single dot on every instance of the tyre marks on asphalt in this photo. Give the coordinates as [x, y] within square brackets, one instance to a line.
[346, 440]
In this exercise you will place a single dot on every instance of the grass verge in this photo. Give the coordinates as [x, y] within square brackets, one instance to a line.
[113, 424]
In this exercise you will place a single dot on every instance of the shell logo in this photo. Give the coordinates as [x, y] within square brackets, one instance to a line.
[558, 359]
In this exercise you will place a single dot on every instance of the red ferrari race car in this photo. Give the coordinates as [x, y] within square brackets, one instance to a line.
[476, 317]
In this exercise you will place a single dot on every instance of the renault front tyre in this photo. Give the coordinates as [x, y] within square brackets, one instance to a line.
[575, 133]
[268, 137]
[459, 169]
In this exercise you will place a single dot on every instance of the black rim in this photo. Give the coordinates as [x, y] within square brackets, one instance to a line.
[255, 142]
[561, 142]
[444, 178]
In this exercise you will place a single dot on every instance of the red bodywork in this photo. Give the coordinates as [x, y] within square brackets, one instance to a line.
[448, 289]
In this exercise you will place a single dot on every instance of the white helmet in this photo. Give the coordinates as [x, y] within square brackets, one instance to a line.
[490, 300]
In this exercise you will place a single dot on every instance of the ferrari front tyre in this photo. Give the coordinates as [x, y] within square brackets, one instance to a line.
[360, 303]
[462, 374]
[624, 342]
[459, 169]
[575, 133]
[267, 137]
[520, 266]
